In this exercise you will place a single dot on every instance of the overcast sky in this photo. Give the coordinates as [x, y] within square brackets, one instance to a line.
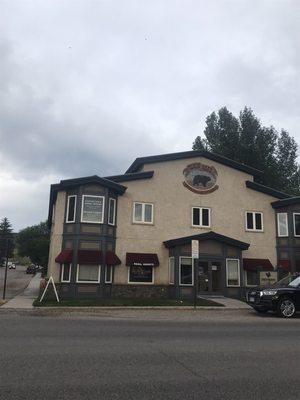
[88, 86]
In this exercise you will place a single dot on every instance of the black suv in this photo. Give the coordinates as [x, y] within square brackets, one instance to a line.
[283, 297]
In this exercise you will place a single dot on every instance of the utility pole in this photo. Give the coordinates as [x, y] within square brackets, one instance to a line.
[6, 268]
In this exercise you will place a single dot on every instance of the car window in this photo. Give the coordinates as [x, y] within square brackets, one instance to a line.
[295, 282]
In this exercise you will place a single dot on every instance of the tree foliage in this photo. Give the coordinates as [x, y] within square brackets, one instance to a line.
[245, 140]
[6, 239]
[33, 242]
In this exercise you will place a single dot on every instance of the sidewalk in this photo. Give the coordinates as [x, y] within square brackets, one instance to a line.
[229, 303]
[25, 299]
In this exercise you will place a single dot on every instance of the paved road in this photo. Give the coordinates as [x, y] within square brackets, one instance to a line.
[149, 355]
[17, 280]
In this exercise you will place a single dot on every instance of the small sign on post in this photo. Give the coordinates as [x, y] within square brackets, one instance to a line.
[195, 257]
[195, 249]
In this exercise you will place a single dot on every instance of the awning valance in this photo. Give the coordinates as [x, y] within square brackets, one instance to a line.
[256, 264]
[143, 259]
[64, 256]
[88, 257]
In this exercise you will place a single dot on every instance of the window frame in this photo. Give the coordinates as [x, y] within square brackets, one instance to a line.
[239, 272]
[287, 224]
[254, 229]
[143, 213]
[68, 205]
[246, 279]
[99, 274]
[295, 213]
[82, 205]
[201, 217]
[114, 215]
[140, 283]
[186, 284]
[62, 273]
[111, 274]
[170, 282]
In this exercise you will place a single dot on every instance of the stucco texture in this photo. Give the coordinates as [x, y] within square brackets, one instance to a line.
[172, 213]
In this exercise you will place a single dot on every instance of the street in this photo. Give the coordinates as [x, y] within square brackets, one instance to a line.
[17, 280]
[149, 354]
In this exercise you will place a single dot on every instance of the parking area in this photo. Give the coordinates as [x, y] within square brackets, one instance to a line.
[17, 280]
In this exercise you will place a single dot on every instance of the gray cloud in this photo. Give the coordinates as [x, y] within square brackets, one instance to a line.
[86, 86]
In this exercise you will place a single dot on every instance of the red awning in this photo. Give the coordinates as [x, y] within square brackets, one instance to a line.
[64, 256]
[146, 259]
[88, 257]
[284, 264]
[256, 264]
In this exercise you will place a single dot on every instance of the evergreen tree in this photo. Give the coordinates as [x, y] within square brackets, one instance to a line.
[247, 141]
[6, 239]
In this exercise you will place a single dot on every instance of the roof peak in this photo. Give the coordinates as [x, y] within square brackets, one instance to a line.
[140, 161]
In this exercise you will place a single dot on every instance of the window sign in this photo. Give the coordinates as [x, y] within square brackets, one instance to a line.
[141, 274]
[92, 209]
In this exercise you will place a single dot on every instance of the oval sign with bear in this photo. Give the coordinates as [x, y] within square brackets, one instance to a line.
[200, 178]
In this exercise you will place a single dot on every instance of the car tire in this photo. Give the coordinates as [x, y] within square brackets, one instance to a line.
[261, 310]
[286, 308]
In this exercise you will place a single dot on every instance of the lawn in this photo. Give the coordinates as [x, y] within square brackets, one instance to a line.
[124, 302]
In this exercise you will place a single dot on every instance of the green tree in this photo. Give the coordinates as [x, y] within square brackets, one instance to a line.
[33, 242]
[247, 141]
[6, 239]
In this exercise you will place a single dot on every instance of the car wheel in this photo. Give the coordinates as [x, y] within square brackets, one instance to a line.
[261, 310]
[286, 308]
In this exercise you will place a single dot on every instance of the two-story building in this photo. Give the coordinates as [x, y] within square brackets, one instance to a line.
[130, 235]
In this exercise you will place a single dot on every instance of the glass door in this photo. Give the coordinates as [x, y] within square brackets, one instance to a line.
[209, 276]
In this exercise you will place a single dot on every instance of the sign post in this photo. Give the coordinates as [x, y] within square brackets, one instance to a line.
[195, 260]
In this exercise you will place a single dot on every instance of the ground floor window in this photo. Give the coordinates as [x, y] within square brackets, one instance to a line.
[186, 271]
[88, 273]
[140, 274]
[233, 272]
[251, 278]
[108, 274]
[65, 273]
[171, 270]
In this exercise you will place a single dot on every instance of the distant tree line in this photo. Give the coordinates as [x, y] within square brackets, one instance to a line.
[246, 140]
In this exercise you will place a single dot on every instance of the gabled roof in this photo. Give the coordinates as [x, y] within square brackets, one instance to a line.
[286, 202]
[139, 162]
[267, 190]
[131, 177]
[207, 236]
[69, 183]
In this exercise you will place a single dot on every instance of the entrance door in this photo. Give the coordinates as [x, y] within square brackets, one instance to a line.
[209, 277]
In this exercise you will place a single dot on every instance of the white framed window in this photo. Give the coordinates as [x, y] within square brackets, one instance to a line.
[71, 209]
[233, 272]
[254, 221]
[108, 274]
[296, 217]
[141, 274]
[143, 213]
[88, 273]
[112, 211]
[65, 273]
[92, 209]
[171, 270]
[186, 271]
[282, 224]
[201, 217]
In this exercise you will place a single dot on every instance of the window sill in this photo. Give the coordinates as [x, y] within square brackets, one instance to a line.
[254, 231]
[200, 227]
[143, 223]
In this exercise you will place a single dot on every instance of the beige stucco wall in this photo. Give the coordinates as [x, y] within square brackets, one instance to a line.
[56, 235]
[172, 213]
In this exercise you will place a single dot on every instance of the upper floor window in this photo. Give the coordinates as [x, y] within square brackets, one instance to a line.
[254, 221]
[201, 217]
[71, 209]
[92, 209]
[112, 212]
[282, 224]
[143, 213]
[296, 224]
